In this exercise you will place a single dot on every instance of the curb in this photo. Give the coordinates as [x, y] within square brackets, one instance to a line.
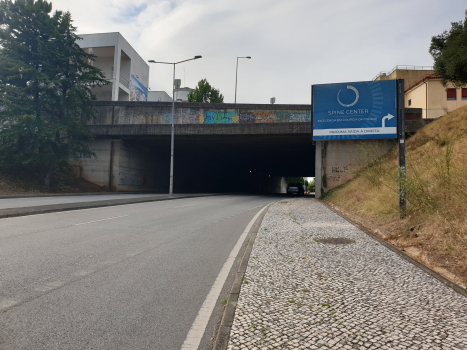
[25, 211]
[36, 195]
[223, 334]
[454, 286]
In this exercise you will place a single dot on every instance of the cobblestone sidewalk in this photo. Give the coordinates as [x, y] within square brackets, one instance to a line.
[299, 293]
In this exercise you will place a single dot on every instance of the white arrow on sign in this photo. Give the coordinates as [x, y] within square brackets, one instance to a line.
[389, 116]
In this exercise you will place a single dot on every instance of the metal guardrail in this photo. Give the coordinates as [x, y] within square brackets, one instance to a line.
[421, 80]
[387, 73]
[122, 80]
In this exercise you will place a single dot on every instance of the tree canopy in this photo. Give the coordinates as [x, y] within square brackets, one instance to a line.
[299, 180]
[45, 96]
[449, 51]
[311, 186]
[206, 93]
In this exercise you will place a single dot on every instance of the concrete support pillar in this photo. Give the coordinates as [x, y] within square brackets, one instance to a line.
[318, 168]
[116, 74]
[114, 172]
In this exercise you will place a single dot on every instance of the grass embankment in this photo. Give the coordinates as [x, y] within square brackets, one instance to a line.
[23, 184]
[434, 231]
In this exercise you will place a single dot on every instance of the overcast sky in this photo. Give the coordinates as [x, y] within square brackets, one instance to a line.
[293, 43]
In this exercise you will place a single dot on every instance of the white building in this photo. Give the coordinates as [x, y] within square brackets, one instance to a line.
[181, 94]
[159, 96]
[122, 66]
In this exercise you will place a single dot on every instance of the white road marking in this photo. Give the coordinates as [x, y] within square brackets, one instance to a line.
[55, 284]
[254, 207]
[6, 304]
[198, 327]
[110, 262]
[83, 273]
[187, 205]
[90, 222]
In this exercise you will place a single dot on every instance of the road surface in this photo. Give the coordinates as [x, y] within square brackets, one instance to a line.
[123, 277]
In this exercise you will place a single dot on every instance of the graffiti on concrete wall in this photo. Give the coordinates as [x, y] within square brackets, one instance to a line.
[216, 117]
[339, 174]
[339, 169]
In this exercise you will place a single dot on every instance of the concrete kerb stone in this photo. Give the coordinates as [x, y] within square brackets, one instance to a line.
[25, 211]
[457, 288]
[36, 195]
[222, 338]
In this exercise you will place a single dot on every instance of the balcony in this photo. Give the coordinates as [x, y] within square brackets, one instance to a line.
[124, 82]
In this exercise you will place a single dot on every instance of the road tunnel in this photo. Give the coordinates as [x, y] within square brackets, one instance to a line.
[227, 163]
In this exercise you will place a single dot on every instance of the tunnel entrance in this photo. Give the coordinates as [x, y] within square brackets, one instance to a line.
[228, 163]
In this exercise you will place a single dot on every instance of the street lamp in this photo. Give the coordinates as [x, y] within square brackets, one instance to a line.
[173, 118]
[236, 74]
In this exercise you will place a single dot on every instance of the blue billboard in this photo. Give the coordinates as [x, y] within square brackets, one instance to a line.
[358, 110]
[138, 92]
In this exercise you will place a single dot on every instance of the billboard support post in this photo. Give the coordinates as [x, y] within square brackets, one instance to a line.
[311, 114]
[401, 139]
[362, 110]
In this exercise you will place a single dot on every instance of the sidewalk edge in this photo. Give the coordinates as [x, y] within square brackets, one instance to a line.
[26, 211]
[223, 334]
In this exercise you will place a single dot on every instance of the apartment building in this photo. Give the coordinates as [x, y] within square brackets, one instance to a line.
[423, 89]
[122, 66]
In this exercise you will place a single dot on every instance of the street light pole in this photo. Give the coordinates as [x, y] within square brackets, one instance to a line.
[236, 75]
[173, 121]
[172, 138]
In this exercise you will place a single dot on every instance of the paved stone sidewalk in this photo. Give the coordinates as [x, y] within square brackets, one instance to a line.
[299, 293]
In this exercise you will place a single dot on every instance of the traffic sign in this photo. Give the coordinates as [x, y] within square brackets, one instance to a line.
[358, 110]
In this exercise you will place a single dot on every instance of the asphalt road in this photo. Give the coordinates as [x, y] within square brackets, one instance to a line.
[123, 277]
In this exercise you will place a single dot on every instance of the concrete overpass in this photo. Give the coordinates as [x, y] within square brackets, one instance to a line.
[218, 147]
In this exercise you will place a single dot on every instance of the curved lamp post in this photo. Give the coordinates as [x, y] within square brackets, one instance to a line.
[236, 75]
[173, 118]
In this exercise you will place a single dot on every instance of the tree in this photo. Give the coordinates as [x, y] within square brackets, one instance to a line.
[45, 96]
[311, 186]
[449, 51]
[204, 92]
[295, 180]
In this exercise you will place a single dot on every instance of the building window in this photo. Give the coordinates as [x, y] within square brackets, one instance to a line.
[410, 102]
[451, 93]
[464, 93]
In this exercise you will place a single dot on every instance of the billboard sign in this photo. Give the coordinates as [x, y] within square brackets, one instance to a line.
[137, 90]
[358, 110]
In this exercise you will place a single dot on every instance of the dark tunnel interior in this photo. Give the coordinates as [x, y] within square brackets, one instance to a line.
[229, 163]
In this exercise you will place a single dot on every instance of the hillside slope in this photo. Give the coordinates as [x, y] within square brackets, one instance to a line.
[434, 230]
[13, 184]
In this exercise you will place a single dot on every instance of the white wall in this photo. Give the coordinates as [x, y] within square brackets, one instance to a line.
[182, 93]
[136, 65]
[105, 64]
[139, 67]
[159, 96]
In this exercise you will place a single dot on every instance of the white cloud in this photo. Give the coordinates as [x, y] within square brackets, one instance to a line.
[293, 43]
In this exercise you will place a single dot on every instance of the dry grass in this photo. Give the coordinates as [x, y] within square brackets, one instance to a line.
[24, 185]
[435, 229]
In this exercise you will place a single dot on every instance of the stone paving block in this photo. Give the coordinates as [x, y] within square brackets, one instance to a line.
[302, 293]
